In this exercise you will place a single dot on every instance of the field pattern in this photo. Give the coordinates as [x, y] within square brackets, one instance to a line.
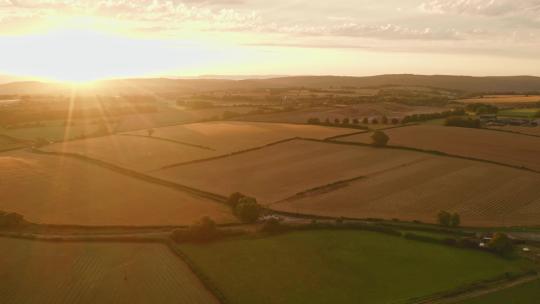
[40, 272]
[59, 190]
[502, 147]
[339, 267]
[137, 153]
[525, 130]
[282, 170]
[328, 179]
[483, 194]
[226, 137]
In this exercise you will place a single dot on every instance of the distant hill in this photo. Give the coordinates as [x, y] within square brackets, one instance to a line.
[166, 85]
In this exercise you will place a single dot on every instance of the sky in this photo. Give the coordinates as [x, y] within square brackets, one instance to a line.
[81, 40]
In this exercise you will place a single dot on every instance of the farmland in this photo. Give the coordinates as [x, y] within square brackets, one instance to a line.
[339, 267]
[366, 182]
[520, 113]
[282, 170]
[40, 272]
[361, 111]
[184, 143]
[51, 130]
[483, 194]
[527, 293]
[137, 153]
[502, 147]
[60, 190]
[519, 129]
[504, 99]
[226, 137]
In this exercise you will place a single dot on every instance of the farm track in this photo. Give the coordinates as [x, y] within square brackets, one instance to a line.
[173, 141]
[480, 292]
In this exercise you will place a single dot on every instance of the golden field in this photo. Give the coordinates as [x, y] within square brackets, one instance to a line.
[507, 148]
[62, 190]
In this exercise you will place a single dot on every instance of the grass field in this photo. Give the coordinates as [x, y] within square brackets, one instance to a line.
[54, 131]
[369, 110]
[226, 137]
[520, 113]
[528, 293]
[339, 267]
[507, 148]
[504, 99]
[57, 190]
[40, 272]
[282, 170]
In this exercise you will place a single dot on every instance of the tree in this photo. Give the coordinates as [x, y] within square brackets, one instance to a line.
[336, 121]
[314, 121]
[379, 139]
[327, 121]
[384, 120]
[444, 218]
[455, 220]
[395, 121]
[234, 198]
[501, 244]
[150, 132]
[248, 210]
[356, 121]
[365, 121]
[10, 219]
[204, 229]
[346, 121]
[375, 121]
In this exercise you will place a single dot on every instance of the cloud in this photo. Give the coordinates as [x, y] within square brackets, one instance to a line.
[483, 7]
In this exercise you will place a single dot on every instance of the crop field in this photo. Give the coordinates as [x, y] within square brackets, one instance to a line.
[502, 147]
[133, 152]
[61, 190]
[483, 194]
[528, 293]
[279, 171]
[174, 117]
[504, 99]
[369, 110]
[343, 180]
[7, 143]
[226, 137]
[41, 272]
[519, 129]
[339, 267]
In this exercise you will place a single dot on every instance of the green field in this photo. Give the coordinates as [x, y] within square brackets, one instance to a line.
[528, 293]
[51, 130]
[43, 272]
[520, 113]
[339, 267]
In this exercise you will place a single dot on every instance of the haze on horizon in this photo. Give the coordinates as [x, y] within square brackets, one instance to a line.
[81, 40]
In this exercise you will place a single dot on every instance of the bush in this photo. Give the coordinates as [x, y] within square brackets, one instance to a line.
[501, 244]
[248, 210]
[272, 226]
[234, 198]
[379, 139]
[11, 219]
[313, 121]
[464, 122]
[203, 230]
[443, 218]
